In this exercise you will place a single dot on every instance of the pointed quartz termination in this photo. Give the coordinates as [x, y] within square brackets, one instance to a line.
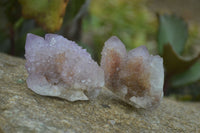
[59, 67]
[135, 77]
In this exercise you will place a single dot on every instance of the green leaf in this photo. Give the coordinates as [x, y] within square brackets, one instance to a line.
[72, 23]
[48, 13]
[12, 10]
[73, 8]
[189, 76]
[172, 30]
[174, 63]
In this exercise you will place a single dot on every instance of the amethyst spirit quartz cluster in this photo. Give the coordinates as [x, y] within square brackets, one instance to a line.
[59, 67]
[135, 77]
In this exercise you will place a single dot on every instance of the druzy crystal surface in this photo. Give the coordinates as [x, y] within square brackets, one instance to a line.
[59, 67]
[136, 77]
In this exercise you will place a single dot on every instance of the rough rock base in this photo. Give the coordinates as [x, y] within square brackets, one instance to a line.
[21, 110]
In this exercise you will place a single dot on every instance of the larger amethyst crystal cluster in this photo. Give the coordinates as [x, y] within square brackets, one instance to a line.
[59, 67]
[136, 77]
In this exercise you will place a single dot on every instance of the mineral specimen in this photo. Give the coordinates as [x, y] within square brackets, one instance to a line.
[136, 77]
[59, 67]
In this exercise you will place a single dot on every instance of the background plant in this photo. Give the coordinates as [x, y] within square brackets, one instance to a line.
[18, 17]
[172, 36]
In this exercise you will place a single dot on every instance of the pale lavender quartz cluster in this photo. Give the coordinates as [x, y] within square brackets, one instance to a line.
[136, 77]
[59, 67]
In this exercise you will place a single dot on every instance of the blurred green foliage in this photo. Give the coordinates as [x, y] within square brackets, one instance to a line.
[48, 13]
[187, 93]
[129, 20]
[179, 70]
[173, 62]
[172, 30]
[172, 36]
[43, 17]
[189, 76]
